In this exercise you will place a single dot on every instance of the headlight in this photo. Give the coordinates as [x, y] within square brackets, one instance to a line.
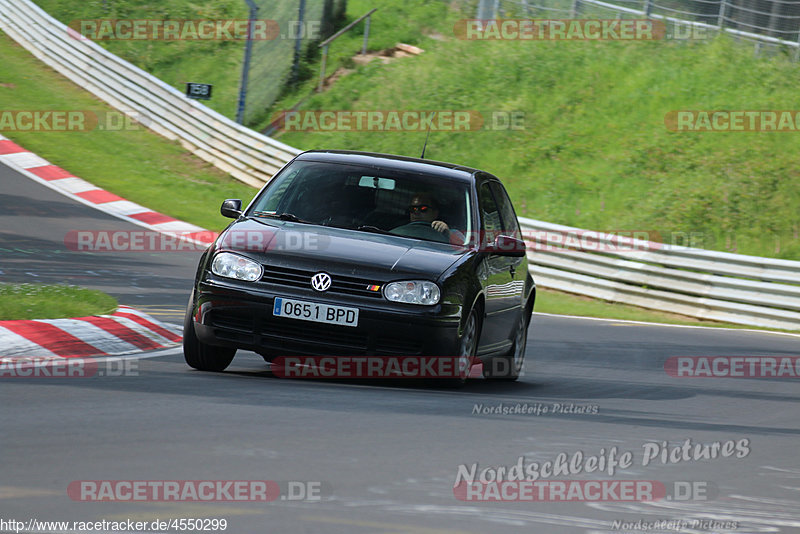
[235, 266]
[412, 292]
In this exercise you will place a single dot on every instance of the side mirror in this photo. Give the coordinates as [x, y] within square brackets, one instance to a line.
[231, 208]
[505, 245]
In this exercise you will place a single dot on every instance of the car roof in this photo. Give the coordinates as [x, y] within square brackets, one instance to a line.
[393, 162]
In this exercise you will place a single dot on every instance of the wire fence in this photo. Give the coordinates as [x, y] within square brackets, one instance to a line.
[773, 23]
[275, 62]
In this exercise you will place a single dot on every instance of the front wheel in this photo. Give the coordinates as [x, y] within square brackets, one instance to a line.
[467, 349]
[199, 355]
[509, 366]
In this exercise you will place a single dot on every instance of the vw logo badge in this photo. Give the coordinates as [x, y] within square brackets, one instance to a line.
[321, 282]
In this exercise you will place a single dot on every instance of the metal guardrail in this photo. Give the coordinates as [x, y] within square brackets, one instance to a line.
[246, 155]
[721, 286]
[740, 289]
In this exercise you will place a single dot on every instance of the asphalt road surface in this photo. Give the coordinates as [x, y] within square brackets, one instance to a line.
[383, 457]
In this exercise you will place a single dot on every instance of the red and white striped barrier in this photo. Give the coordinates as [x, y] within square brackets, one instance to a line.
[82, 191]
[126, 331]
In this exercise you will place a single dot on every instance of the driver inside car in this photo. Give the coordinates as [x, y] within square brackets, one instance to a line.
[424, 210]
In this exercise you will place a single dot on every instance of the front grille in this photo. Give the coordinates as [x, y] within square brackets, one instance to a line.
[392, 345]
[232, 325]
[346, 285]
[231, 320]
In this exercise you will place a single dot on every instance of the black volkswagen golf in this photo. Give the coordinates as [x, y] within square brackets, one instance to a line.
[346, 254]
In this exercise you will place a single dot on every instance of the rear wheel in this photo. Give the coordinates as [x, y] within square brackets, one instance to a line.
[200, 355]
[509, 366]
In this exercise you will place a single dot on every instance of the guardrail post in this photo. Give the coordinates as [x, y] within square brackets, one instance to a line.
[366, 35]
[575, 9]
[648, 7]
[486, 10]
[322, 68]
[248, 52]
[721, 18]
[774, 16]
[797, 48]
[298, 41]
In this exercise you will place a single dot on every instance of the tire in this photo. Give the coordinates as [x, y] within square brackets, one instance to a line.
[199, 355]
[468, 348]
[509, 366]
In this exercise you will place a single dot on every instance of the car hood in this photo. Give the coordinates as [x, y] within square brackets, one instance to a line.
[337, 250]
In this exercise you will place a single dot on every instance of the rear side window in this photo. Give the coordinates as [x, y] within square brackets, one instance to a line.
[510, 223]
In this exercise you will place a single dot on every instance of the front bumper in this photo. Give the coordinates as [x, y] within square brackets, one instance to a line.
[242, 318]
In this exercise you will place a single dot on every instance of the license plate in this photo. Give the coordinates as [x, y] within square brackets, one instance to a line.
[315, 312]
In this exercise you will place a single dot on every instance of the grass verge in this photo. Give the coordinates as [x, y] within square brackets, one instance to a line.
[36, 301]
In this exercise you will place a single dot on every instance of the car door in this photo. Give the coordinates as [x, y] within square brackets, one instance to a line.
[518, 267]
[503, 277]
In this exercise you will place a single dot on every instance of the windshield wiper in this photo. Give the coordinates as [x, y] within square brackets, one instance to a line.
[282, 216]
[373, 229]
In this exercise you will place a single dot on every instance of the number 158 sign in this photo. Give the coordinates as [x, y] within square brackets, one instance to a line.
[199, 91]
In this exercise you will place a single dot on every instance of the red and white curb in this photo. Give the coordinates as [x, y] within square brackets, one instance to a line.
[127, 331]
[56, 178]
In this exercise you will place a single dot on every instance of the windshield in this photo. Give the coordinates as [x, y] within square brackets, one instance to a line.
[369, 200]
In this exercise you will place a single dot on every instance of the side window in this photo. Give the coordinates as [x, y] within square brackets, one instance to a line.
[510, 223]
[491, 224]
